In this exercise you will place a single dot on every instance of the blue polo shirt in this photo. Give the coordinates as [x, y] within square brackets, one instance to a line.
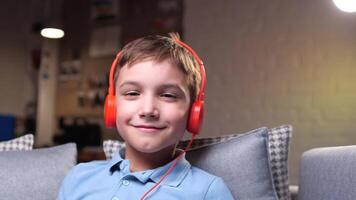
[113, 180]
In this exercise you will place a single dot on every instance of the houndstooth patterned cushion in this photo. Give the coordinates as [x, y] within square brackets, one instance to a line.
[21, 143]
[278, 142]
[111, 147]
[278, 148]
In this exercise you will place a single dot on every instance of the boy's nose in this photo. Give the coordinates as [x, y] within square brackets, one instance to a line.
[148, 109]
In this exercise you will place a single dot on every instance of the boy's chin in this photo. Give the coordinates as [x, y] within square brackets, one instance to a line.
[146, 149]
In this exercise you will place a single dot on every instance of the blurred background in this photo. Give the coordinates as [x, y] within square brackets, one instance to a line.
[268, 63]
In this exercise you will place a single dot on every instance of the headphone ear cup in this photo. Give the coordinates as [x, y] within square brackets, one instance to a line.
[195, 118]
[110, 111]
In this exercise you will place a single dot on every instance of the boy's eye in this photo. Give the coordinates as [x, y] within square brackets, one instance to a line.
[132, 93]
[169, 95]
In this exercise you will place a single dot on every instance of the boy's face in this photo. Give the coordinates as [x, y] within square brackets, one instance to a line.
[152, 101]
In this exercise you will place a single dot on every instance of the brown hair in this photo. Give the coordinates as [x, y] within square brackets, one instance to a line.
[159, 48]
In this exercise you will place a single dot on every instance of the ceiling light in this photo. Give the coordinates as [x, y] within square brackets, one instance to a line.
[346, 5]
[53, 33]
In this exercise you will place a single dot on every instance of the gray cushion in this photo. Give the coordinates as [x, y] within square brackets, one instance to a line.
[278, 147]
[35, 174]
[249, 175]
[328, 173]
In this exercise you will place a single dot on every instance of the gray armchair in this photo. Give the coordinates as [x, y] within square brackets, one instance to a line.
[328, 173]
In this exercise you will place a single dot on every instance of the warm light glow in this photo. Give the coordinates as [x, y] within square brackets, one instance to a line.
[346, 5]
[53, 33]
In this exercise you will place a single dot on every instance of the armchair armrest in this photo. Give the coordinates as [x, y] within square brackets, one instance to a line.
[328, 174]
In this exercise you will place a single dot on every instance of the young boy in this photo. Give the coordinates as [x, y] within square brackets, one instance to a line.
[156, 82]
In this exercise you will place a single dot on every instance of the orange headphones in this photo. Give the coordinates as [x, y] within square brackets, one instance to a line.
[196, 115]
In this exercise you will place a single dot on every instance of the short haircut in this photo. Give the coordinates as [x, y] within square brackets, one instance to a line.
[160, 48]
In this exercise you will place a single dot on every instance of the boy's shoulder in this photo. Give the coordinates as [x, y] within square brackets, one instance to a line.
[211, 185]
[89, 168]
[92, 165]
[198, 172]
[200, 176]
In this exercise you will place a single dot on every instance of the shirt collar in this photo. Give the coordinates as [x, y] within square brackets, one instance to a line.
[175, 177]
[114, 163]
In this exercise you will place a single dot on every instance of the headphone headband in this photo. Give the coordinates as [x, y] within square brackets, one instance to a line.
[201, 66]
[111, 75]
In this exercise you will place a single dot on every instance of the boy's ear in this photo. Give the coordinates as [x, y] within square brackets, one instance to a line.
[110, 111]
[195, 118]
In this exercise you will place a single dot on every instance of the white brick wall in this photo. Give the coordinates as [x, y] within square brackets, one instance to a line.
[276, 62]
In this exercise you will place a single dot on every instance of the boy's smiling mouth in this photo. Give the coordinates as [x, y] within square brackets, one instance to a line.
[149, 127]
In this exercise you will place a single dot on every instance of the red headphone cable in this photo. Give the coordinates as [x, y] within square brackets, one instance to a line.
[170, 168]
